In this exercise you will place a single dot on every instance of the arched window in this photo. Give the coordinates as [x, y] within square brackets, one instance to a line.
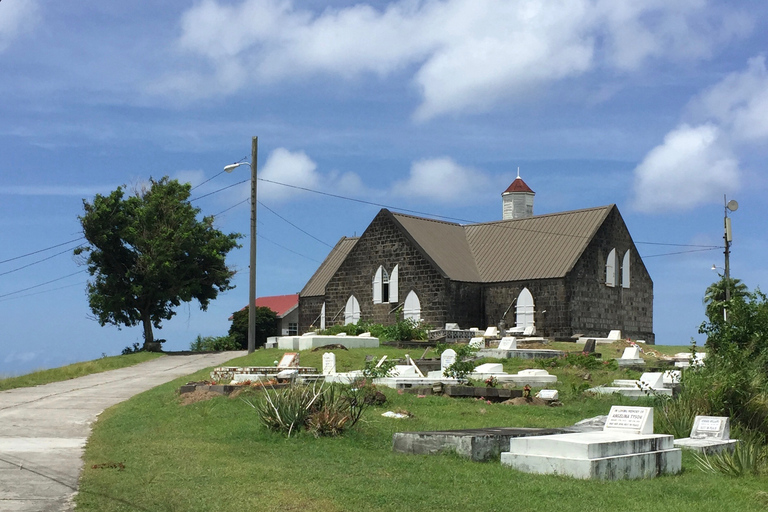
[322, 317]
[352, 311]
[524, 310]
[625, 270]
[384, 286]
[611, 267]
[412, 307]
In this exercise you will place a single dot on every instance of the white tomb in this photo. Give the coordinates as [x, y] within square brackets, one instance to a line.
[684, 359]
[534, 378]
[548, 394]
[329, 363]
[508, 343]
[631, 357]
[447, 358]
[491, 332]
[626, 448]
[709, 435]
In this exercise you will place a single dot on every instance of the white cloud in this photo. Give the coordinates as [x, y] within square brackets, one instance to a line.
[296, 169]
[16, 18]
[194, 178]
[739, 102]
[466, 55]
[697, 164]
[441, 180]
[694, 165]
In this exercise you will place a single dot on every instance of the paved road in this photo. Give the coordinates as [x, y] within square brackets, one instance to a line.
[43, 429]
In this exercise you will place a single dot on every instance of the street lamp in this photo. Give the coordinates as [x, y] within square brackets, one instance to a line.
[252, 287]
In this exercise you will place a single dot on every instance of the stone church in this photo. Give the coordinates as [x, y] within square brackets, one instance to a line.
[560, 274]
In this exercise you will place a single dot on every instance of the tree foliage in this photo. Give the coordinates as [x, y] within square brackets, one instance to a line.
[715, 296]
[267, 324]
[149, 252]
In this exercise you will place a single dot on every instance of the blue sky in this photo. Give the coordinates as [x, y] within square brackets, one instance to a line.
[428, 106]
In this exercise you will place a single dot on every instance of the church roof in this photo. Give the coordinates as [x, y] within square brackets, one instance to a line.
[318, 281]
[518, 186]
[538, 247]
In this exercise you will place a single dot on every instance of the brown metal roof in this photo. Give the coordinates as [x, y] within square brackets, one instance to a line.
[540, 247]
[445, 243]
[316, 284]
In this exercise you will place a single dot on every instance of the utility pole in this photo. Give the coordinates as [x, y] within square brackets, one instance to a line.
[732, 206]
[252, 286]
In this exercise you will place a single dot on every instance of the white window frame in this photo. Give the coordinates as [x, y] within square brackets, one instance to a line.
[625, 270]
[611, 265]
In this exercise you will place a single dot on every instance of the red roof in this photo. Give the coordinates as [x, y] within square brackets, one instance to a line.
[280, 304]
[518, 186]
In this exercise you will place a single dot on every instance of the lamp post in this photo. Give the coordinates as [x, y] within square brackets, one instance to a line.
[252, 279]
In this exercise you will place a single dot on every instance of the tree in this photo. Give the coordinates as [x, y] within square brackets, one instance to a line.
[149, 252]
[266, 326]
[715, 296]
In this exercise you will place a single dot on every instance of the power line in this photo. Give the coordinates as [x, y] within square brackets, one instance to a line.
[40, 261]
[42, 250]
[206, 181]
[287, 249]
[43, 284]
[219, 190]
[44, 291]
[681, 252]
[294, 225]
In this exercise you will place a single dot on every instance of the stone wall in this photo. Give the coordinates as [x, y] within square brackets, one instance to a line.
[551, 312]
[385, 244]
[595, 308]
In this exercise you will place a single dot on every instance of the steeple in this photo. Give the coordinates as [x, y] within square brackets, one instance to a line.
[517, 200]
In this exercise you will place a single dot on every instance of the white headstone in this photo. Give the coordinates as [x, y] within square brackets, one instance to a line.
[631, 353]
[614, 335]
[637, 420]
[529, 331]
[652, 380]
[711, 427]
[491, 332]
[508, 343]
[478, 342]
[447, 358]
[489, 368]
[364, 335]
[451, 327]
[329, 363]
[548, 394]
[289, 360]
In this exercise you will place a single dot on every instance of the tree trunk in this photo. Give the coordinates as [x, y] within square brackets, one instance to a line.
[149, 338]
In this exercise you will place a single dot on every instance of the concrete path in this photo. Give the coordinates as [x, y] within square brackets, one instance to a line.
[43, 429]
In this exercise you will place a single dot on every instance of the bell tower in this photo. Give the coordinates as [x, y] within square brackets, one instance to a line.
[517, 200]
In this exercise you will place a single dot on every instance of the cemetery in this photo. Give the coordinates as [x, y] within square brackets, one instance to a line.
[492, 425]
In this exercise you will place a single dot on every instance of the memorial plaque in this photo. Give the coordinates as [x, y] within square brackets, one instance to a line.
[638, 420]
[508, 343]
[548, 394]
[711, 427]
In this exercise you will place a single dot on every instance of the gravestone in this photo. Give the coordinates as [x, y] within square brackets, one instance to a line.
[652, 380]
[589, 346]
[711, 427]
[548, 394]
[447, 358]
[614, 335]
[489, 368]
[508, 343]
[477, 342]
[631, 420]
[709, 435]
[631, 353]
[451, 327]
[289, 360]
[329, 363]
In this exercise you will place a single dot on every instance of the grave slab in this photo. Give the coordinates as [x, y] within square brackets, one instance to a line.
[709, 435]
[625, 449]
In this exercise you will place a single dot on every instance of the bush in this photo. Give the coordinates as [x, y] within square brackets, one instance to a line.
[324, 410]
[578, 360]
[465, 360]
[214, 344]
[402, 330]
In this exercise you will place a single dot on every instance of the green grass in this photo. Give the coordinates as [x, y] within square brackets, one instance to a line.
[214, 456]
[76, 370]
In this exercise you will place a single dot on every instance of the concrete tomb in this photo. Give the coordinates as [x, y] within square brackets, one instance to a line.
[631, 357]
[684, 359]
[491, 332]
[534, 378]
[626, 448]
[329, 363]
[709, 435]
[508, 343]
[548, 394]
[310, 340]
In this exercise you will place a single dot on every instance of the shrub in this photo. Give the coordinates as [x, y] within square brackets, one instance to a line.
[749, 457]
[132, 350]
[372, 371]
[578, 360]
[465, 360]
[324, 410]
[214, 344]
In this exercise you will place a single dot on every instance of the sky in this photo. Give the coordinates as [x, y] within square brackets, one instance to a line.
[426, 107]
